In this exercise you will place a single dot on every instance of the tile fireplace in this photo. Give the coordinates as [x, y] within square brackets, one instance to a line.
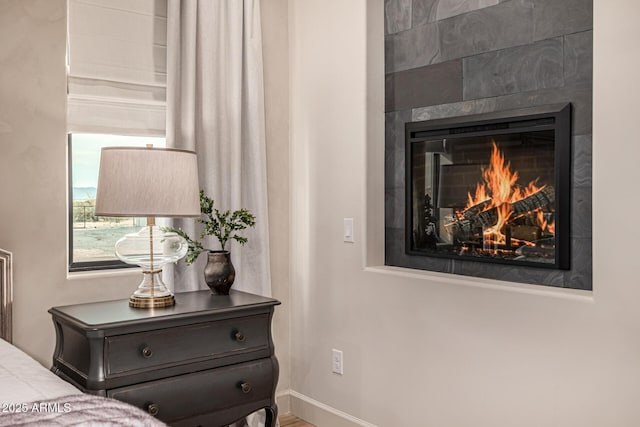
[491, 187]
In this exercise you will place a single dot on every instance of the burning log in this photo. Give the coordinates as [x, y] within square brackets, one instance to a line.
[540, 199]
[475, 217]
[469, 215]
[475, 209]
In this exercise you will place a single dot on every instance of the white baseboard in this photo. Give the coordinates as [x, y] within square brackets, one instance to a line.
[317, 413]
[283, 399]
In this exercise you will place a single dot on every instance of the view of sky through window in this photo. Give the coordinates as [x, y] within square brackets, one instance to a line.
[94, 238]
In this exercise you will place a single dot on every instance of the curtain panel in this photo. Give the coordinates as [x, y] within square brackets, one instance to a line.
[215, 106]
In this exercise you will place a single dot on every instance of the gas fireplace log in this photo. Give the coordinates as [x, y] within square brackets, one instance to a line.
[536, 252]
[542, 198]
[469, 216]
[475, 209]
[489, 218]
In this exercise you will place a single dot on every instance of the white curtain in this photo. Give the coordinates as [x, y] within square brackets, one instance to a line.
[215, 106]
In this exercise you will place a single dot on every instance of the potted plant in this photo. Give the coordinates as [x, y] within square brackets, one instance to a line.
[219, 272]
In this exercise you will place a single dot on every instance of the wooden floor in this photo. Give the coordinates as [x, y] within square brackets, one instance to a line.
[292, 421]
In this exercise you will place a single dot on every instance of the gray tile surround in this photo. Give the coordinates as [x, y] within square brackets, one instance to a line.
[579, 96]
[581, 274]
[514, 70]
[397, 15]
[498, 27]
[554, 18]
[394, 169]
[430, 85]
[516, 53]
[581, 218]
[411, 49]
[582, 161]
[578, 58]
[423, 12]
[394, 207]
[448, 8]
[510, 273]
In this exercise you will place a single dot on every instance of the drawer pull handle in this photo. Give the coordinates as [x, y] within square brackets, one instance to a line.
[147, 353]
[246, 387]
[153, 409]
[239, 336]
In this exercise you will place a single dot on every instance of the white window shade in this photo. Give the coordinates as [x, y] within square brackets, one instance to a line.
[117, 66]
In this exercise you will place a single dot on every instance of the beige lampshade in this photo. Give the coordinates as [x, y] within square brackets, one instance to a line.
[148, 182]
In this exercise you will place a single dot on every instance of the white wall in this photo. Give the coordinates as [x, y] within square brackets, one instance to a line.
[33, 211]
[425, 349]
[33, 182]
[276, 87]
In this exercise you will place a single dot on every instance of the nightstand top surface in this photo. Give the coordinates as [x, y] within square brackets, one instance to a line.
[188, 304]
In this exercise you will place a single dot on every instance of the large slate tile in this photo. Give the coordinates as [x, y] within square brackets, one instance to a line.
[578, 58]
[513, 70]
[552, 18]
[582, 161]
[581, 274]
[581, 213]
[394, 148]
[448, 8]
[394, 247]
[430, 85]
[394, 129]
[455, 109]
[397, 15]
[394, 169]
[413, 48]
[394, 209]
[510, 273]
[423, 11]
[504, 25]
[579, 96]
[440, 265]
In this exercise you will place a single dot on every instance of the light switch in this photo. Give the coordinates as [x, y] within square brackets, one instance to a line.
[348, 230]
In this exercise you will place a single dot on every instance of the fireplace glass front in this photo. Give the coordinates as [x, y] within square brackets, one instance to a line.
[491, 188]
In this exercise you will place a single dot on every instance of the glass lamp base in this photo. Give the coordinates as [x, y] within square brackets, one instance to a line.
[152, 292]
[151, 248]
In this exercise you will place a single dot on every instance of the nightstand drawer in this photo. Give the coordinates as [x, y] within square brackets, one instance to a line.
[186, 344]
[203, 392]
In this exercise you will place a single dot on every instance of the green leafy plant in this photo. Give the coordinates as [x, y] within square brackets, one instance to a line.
[223, 225]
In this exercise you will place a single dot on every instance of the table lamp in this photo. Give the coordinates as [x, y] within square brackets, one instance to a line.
[149, 182]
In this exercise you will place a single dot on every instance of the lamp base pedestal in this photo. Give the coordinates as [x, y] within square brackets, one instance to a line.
[156, 302]
[152, 292]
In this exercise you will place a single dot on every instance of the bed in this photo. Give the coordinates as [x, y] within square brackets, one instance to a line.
[30, 394]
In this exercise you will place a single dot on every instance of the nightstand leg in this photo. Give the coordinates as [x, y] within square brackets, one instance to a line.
[271, 413]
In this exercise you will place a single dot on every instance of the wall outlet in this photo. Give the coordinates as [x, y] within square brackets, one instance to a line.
[336, 362]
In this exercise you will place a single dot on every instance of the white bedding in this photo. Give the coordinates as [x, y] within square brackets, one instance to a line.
[22, 379]
[30, 395]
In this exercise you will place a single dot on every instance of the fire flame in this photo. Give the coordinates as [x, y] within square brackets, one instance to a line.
[499, 190]
[495, 233]
[542, 222]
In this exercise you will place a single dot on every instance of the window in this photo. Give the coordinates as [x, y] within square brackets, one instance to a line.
[92, 239]
[116, 84]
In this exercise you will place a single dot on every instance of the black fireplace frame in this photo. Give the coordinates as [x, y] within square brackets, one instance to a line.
[556, 117]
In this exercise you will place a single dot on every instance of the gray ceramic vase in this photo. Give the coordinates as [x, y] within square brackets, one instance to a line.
[219, 272]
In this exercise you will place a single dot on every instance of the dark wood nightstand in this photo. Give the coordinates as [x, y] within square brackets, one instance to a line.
[206, 361]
